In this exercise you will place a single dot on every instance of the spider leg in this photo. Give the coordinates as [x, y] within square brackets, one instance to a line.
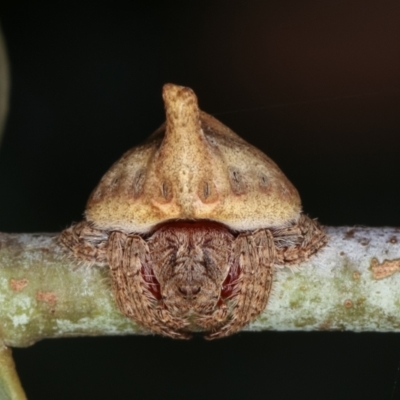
[255, 255]
[208, 322]
[85, 243]
[298, 242]
[127, 256]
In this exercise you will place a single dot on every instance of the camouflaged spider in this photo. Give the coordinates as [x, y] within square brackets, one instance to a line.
[191, 223]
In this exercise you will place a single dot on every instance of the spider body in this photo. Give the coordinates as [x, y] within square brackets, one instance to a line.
[191, 224]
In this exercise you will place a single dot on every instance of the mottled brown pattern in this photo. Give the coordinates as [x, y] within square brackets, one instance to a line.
[193, 167]
[87, 244]
[298, 242]
[191, 224]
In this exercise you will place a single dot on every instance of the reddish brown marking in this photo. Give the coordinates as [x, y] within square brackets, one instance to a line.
[192, 225]
[230, 283]
[151, 282]
[18, 284]
[350, 234]
[47, 297]
[348, 303]
[384, 269]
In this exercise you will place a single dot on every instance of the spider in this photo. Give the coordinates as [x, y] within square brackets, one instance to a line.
[191, 224]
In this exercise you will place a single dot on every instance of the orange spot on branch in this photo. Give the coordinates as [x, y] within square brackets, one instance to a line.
[348, 303]
[18, 284]
[384, 269]
[47, 297]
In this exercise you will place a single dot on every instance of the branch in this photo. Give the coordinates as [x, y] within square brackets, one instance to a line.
[349, 285]
[43, 294]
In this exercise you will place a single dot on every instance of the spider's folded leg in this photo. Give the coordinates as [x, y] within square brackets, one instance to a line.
[128, 256]
[85, 243]
[298, 242]
[255, 255]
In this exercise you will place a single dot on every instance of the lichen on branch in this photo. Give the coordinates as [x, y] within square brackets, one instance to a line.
[43, 294]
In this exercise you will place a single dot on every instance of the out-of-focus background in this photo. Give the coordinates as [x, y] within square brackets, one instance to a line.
[314, 84]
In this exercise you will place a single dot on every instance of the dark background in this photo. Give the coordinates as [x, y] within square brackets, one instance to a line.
[314, 84]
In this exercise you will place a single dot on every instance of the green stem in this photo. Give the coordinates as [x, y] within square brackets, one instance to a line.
[43, 294]
[10, 385]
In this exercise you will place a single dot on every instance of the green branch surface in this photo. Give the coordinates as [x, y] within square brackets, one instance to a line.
[45, 295]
